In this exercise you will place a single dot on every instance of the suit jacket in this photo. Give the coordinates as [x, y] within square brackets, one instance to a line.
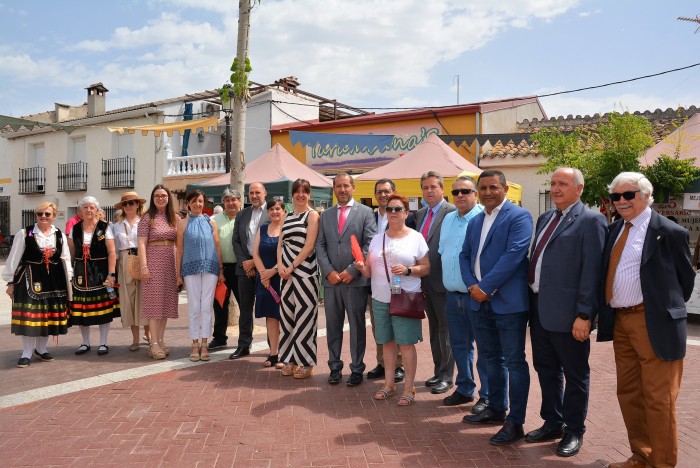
[410, 220]
[503, 258]
[667, 279]
[240, 236]
[434, 279]
[333, 250]
[570, 269]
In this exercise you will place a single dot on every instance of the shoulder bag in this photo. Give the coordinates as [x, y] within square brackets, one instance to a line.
[132, 262]
[405, 304]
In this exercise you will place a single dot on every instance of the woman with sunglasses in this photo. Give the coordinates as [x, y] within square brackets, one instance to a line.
[399, 252]
[38, 272]
[95, 300]
[126, 242]
[157, 233]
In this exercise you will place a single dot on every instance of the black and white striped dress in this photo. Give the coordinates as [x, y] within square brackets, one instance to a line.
[299, 305]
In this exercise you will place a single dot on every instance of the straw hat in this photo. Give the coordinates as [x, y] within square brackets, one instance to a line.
[128, 196]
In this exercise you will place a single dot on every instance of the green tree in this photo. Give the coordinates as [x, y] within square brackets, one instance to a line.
[671, 175]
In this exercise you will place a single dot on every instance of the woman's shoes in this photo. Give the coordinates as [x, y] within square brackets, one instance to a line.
[203, 353]
[82, 349]
[157, 355]
[288, 369]
[386, 392]
[279, 365]
[134, 346]
[270, 361]
[165, 349]
[303, 372]
[147, 340]
[408, 397]
[102, 350]
[194, 355]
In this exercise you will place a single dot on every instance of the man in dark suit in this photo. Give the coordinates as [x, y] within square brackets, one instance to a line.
[494, 264]
[429, 221]
[648, 279]
[383, 189]
[564, 277]
[346, 289]
[247, 224]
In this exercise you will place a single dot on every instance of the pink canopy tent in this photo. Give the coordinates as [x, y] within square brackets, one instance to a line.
[685, 138]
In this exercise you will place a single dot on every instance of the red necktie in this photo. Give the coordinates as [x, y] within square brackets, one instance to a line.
[426, 226]
[541, 245]
[342, 218]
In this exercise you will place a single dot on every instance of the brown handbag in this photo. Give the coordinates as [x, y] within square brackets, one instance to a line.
[133, 265]
[406, 304]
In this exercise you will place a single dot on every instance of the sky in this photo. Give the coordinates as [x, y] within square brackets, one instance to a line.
[372, 54]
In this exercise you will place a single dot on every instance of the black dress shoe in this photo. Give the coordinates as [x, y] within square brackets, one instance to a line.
[569, 445]
[335, 377]
[239, 353]
[441, 387]
[480, 406]
[399, 375]
[82, 349]
[509, 433]
[46, 357]
[488, 416]
[433, 381]
[376, 373]
[23, 362]
[545, 433]
[216, 344]
[457, 399]
[354, 380]
[102, 350]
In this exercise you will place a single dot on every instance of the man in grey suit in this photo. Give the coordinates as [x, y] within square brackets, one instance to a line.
[564, 278]
[345, 288]
[429, 221]
[248, 221]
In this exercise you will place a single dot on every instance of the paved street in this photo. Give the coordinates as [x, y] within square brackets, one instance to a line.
[124, 409]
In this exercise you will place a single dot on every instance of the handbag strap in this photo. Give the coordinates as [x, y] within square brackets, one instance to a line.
[386, 270]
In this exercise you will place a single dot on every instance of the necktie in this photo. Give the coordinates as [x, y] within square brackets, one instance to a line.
[615, 256]
[541, 245]
[426, 226]
[341, 219]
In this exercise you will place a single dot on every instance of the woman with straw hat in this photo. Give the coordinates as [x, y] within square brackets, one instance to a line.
[126, 243]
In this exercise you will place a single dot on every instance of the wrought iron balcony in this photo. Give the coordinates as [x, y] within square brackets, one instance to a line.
[32, 180]
[118, 173]
[72, 177]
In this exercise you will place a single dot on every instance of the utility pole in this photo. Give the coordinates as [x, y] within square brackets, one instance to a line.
[453, 82]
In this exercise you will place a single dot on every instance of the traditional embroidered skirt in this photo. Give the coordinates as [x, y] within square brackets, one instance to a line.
[36, 312]
[91, 303]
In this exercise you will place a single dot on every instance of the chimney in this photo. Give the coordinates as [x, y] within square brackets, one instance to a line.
[96, 99]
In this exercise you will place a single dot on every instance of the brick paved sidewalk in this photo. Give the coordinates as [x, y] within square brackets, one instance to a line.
[236, 413]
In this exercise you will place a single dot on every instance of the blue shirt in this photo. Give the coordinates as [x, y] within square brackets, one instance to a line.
[425, 219]
[452, 234]
[199, 250]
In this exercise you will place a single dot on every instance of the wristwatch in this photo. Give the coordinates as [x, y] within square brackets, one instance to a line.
[408, 271]
[584, 316]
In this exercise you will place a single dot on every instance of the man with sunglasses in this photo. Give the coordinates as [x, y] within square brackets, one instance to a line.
[648, 277]
[564, 277]
[452, 234]
[383, 189]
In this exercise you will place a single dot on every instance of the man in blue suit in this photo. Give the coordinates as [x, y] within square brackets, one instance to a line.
[494, 264]
[564, 277]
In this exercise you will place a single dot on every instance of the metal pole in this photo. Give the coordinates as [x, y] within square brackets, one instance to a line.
[228, 142]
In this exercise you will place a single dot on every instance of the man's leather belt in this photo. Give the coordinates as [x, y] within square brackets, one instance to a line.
[164, 242]
[626, 310]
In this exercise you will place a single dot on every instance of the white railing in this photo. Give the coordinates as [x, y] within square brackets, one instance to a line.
[199, 164]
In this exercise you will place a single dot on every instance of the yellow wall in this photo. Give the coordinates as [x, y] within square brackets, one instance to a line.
[453, 125]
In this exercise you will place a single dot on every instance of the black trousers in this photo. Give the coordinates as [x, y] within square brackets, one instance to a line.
[221, 313]
[557, 357]
[246, 303]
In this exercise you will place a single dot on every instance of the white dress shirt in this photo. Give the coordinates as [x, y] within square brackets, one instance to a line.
[488, 222]
[627, 287]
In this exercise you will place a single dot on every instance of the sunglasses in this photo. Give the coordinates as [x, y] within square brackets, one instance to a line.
[394, 209]
[130, 203]
[629, 195]
[464, 191]
[46, 214]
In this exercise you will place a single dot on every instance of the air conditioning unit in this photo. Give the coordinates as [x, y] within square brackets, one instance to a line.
[209, 109]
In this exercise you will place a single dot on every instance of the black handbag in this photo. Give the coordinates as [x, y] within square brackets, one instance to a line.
[406, 304]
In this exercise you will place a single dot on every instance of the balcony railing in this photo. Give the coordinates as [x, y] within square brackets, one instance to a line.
[200, 164]
[32, 180]
[72, 177]
[118, 173]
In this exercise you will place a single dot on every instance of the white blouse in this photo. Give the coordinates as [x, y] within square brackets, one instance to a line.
[44, 241]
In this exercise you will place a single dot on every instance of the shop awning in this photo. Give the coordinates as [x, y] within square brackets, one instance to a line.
[170, 128]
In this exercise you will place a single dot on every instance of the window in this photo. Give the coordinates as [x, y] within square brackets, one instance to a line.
[546, 203]
[36, 156]
[79, 150]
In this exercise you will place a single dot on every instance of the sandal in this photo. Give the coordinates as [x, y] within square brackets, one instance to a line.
[134, 346]
[408, 397]
[194, 355]
[303, 372]
[386, 392]
[147, 340]
[203, 353]
[270, 361]
[165, 349]
[155, 354]
[279, 365]
[288, 369]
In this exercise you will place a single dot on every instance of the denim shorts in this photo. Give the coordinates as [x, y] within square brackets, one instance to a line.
[404, 331]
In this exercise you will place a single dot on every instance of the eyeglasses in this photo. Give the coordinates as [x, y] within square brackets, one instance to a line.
[383, 192]
[463, 191]
[629, 195]
[395, 209]
[131, 202]
[160, 196]
[46, 214]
